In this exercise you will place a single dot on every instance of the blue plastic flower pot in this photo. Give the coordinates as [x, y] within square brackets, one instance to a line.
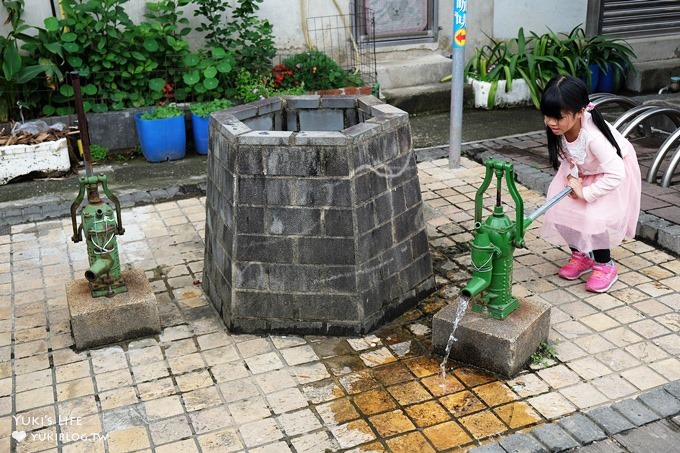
[608, 82]
[594, 78]
[161, 139]
[199, 126]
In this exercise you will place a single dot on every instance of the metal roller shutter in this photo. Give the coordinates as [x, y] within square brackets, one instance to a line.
[627, 18]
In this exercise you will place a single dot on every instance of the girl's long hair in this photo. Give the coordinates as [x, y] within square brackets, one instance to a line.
[568, 93]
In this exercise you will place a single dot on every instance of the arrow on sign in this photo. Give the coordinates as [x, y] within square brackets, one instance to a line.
[460, 37]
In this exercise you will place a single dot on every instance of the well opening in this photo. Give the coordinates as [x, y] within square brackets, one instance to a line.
[314, 218]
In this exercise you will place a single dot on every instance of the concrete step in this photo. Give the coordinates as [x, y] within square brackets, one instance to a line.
[650, 76]
[431, 97]
[412, 70]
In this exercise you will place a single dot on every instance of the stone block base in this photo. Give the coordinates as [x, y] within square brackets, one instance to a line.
[501, 346]
[102, 320]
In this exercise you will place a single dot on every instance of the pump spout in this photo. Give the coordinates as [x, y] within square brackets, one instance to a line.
[101, 266]
[476, 285]
[482, 254]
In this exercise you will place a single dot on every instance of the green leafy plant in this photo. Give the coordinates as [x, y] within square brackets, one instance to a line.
[250, 87]
[98, 152]
[208, 74]
[164, 43]
[537, 58]
[546, 351]
[250, 38]
[500, 60]
[315, 70]
[20, 70]
[94, 41]
[611, 54]
[114, 56]
[203, 109]
[162, 112]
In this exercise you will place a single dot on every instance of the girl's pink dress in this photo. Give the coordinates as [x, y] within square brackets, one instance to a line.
[611, 188]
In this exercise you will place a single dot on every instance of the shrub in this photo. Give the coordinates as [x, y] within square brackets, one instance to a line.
[98, 152]
[314, 70]
[251, 87]
[203, 109]
[250, 38]
[162, 112]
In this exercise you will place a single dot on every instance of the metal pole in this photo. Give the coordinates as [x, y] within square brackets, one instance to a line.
[457, 81]
[82, 123]
[548, 204]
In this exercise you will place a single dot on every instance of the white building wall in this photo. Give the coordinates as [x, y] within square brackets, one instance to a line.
[498, 18]
[536, 15]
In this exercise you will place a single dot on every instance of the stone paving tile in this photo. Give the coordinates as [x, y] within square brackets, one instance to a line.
[584, 395]
[249, 409]
[558, 376]
[517, 415]
[552, 405]
[131, 439]
[196, 387]
[643, 378]
[614, 386]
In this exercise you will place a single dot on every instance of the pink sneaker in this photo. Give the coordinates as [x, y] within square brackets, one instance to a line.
[604, 276]
[578, 264]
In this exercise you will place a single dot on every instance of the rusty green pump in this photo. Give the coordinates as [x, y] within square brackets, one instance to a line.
[100, 227]
[494, 244]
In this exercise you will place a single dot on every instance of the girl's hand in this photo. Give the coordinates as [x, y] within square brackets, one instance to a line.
[577, 185]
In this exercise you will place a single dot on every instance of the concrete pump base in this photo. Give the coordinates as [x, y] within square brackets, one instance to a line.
[501, 346]
[96, 321]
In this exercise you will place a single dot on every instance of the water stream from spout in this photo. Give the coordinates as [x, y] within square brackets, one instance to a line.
[460, 312]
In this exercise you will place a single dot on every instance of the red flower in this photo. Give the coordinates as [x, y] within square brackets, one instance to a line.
[168, 90]
[283, 76]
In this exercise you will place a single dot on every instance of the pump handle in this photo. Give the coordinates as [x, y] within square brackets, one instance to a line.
[547, 205]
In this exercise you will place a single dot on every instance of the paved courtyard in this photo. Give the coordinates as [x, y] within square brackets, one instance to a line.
[198, 388]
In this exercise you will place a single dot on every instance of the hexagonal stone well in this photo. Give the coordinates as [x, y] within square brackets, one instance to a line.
[314, 217]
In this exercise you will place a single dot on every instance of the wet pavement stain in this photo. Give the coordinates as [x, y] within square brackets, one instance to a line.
[391, 423]
[447, 435]
[495, 393]
[409, 443]
[374, 402]
[441, 386]
[409, 393]
[386, 392]
[462, 403]
[517, 415]
[358, 382]
[427, 414]
[483, 425]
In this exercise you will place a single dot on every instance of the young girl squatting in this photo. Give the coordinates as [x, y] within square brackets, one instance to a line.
[601, 167]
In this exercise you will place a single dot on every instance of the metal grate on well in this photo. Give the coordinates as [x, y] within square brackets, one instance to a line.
[335, 36]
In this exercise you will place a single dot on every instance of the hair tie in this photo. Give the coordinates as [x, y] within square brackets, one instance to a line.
[590, 107]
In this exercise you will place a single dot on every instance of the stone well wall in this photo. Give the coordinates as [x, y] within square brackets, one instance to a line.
[314, 217]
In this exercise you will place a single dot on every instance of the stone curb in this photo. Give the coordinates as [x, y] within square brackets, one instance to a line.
[581, 429]
[55, 207]
[652, 229]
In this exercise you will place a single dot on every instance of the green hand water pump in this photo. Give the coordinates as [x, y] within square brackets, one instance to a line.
[494, 244]
[98, 224]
